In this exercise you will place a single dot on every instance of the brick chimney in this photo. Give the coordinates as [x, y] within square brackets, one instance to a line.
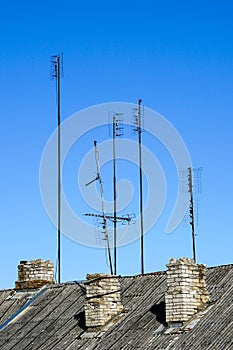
[186, 290]
[34, 274]
[103, 300]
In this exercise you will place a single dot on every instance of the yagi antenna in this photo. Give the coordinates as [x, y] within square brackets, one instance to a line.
[105, 229]
[125, 219]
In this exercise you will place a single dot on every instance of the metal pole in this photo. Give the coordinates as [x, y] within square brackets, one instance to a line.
[140, 183]
[58, 172]
[56, 73]
[114, 190]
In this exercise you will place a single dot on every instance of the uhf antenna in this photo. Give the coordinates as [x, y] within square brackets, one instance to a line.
[191, 211]
[137, 127]
[117, 131]
[56, 61]
[98, 177]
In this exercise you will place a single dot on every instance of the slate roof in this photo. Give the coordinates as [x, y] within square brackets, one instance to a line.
[53, 318]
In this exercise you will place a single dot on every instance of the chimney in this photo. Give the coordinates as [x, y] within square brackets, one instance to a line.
[103, 300]
[34, 274]
[186, 290]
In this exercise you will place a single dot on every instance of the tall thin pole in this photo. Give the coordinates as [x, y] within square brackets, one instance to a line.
[115, 194]
[191, 212]
[59, 169]
[56, 73]
[140, 183]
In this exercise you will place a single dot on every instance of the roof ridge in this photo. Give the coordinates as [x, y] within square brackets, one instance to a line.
[158, 273]
[155, 273]
[219, 266]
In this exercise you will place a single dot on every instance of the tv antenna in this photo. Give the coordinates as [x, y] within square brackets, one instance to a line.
[191, 179]
[117, 130]
[125, 219]
[137, 116]
[191, 211]
[105, 229]
[57, 73]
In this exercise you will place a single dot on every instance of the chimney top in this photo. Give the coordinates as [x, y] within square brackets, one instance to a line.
[181, 261]
[103, 300]
[186, 290]
[34, 274]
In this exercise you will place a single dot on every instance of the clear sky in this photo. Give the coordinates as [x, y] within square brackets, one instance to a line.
[177, 56]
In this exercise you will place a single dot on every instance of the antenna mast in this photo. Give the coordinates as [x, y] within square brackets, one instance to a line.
[116, 131]
[138, 129]
[102, 204]
[56, 73]
[191, 211]
[141, 192]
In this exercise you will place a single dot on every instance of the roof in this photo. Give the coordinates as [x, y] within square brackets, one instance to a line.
[53, 318]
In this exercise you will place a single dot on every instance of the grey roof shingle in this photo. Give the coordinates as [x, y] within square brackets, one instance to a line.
[55, 318]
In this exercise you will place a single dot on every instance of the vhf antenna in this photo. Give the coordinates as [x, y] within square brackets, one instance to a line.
[191, 211]
[56, 62]
[98, 177]
[117, 130]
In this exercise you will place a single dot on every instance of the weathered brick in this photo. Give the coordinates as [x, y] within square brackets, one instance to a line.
[102, 301]
[34, 274]
[186, 289]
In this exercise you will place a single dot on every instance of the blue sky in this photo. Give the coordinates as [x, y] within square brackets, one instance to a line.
[175, 55]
